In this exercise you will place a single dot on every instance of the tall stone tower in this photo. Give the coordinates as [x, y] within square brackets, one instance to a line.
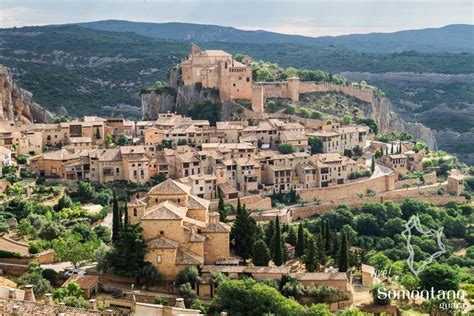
[258, 99]
[294, 88]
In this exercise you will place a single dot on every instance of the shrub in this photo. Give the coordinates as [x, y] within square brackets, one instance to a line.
[187, 275]
[9, 254]
[161, 301]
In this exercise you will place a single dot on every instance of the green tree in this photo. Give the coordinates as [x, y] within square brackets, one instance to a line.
[378, 296]
[344, 254]
[108, 141]
[269, 233]
[85, 191]
[346, 119]
[187, 275]
[439, 276]
[261, 253]
[311, 260]
[372, 165]
[149, 275]
[319, 310]
[128, 253]
[34, 276]
[300, 245]
[292, 239]
[121, 140]
[277, 244]
[286, 148]
[115, 218]
[248, 297]
[73, 248]
[64, 202]
[243, 232]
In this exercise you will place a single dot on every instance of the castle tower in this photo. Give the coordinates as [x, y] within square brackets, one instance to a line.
[294, 88]
[258, 99]
[195, 50]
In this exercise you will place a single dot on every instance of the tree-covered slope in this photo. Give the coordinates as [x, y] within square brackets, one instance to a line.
[450, 38]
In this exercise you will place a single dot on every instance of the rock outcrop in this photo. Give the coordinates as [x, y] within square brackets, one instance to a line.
[17, 104]
[389, 121]
[174, 98]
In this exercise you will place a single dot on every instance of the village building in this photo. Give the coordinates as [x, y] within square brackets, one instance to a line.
[178, 228]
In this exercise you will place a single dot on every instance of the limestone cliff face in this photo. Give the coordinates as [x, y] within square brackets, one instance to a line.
[17, 104]
[175, 98]
[389, 121]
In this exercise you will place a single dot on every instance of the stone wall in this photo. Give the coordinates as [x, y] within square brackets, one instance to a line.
[251, 202]
[350, 190]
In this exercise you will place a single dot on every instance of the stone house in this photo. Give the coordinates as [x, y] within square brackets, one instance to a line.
[178, 228]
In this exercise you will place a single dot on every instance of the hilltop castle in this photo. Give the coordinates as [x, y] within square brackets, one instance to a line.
[216, 69]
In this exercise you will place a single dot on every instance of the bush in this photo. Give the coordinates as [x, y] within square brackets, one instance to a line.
[9, 254]
[161, 301]
[286, 148]
[379, 299]
[36, 246]
[187, 275]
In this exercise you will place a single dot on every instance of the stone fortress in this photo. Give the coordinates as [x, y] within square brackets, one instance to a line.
[233, 79]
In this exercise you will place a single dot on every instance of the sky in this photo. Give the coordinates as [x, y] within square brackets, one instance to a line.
[303, 17]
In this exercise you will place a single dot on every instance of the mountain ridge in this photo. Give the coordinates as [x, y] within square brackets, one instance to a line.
[450, 38]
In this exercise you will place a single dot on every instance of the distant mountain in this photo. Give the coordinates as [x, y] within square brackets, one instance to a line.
[455, 38]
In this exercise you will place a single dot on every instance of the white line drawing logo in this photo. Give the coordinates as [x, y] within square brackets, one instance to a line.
[414, 222]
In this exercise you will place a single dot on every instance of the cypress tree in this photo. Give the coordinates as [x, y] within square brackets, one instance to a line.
[320, 253]
[327, 236]
[300, 244]
[221, 203]
[243, 232]
[277, 250]
[344, 254]
[291, 239]
[125, 218]
[115, 218]
[335, 247]
[372, 166]
[311, 261]
[269, 233]
[261, 253]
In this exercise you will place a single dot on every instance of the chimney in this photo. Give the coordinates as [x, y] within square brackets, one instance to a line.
[12, 294]
[179, 303]
[223, 313]
[93, 304]
[29, 294]
[62, 307]
[16, 310]
[48, 299]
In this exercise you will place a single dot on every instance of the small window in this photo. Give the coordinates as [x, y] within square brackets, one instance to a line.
[159, 259]
[135, 213]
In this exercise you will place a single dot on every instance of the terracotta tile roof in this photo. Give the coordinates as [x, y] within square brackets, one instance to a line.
[165, 210]
[186, 257]
[195, 202]
[216, 228]
[85, 282]
[112, 154]
[62, 154]
[162, 243]
[170, 187]
[245, 269]
[309, 276]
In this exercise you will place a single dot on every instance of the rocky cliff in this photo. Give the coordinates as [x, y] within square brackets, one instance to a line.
[174, 98]
[17, 104]
[389, 121]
